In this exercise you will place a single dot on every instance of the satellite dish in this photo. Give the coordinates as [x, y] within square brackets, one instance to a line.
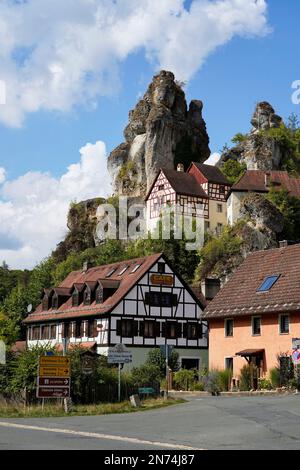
[29, 308]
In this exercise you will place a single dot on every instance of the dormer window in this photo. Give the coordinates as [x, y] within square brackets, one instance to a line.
[45, 303]
[99, 294]
[87, 297]
[75, 299]
[55, 302]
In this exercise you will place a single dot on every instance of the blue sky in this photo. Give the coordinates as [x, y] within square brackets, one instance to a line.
[44, 135]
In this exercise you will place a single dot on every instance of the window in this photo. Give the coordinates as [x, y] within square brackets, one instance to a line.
[99, 295]
[229, 363]
[222, 189]
[228, 328]
[110, 273]
[172, 330]
[284, 324]
[268, 283]
[219, 229]
[53, 332]
[67, 330]
[206, 225]
[92, 329]
[256, 326]
[161, 299]
[45, 303]
[36, 333]
[161, 268]
[127, 328]
[55, 302]
[220, 208]
[161, 187]
[78, 329]
[135, 268]
[75, 299]
[45, 332]
[123, 271]
[87, 297]
[150, 329]
[192, 331]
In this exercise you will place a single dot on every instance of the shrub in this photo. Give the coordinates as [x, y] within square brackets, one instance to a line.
[245, 379]
[146, 375]
[157, 358]
[225, 377]
[275, 377]
[264, 384]
[212, 383]
[185, 379]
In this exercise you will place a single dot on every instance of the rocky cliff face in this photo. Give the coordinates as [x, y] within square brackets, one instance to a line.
[162, 131]
[258, 150]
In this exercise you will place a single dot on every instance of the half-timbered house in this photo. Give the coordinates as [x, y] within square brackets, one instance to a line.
[200, 192]
[217, 188]
[142, 303]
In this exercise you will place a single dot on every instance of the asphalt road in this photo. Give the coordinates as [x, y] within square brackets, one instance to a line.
[206, 423]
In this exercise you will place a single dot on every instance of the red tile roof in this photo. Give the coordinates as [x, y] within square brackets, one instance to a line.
[182, 183]
[212, 173]
[255, 180]
[240, 296]
[84, 345]
[125, 281]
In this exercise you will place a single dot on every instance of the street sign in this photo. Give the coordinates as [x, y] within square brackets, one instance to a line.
[54, 371]
[53, 392]
[54, 361]
[295, 343]
[54, 382]
[162, 280]
[296, 357]
[87, 365]
[119, 355]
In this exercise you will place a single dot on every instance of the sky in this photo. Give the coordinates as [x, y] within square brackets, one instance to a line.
[71, 71]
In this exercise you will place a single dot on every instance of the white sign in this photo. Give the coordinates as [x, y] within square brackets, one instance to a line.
[296, 343]
[119, 355]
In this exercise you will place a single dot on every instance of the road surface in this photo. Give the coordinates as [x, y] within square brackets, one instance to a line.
[205, 423]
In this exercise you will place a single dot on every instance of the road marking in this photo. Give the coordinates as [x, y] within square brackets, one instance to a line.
[98, 436]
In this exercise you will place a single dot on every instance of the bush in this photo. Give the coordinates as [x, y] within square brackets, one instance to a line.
[225, 377]
[185, 379]
[146, 375]
[157, 358]
[245, 379]
[275, 377]
[212, 383]
[264, 384]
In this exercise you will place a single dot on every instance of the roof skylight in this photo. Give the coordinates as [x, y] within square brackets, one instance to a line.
[110, 273]
[135, 268]
[268, 283]
[123, 271]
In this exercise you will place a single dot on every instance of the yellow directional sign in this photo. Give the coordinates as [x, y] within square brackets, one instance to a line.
[54, 371]
[54, 361]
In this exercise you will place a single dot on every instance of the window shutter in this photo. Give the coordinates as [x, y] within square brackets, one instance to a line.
[185, 330]
[82, 329]
[174, 300]
[119, 328]
[157, 329]
[179, 330]
[164, 329]
[200, 331]
[147, 298]
[142, 328]
[95, 331]
[135, 328]
[63, 330]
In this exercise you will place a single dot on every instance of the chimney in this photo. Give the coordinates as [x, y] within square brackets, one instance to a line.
[267, 179]
[86, 266]
[210, 288]
[180, 167]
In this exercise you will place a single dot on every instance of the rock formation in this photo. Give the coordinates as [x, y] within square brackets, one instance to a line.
[258, 150]
[161, 132]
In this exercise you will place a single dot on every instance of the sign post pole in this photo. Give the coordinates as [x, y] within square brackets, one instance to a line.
[119, 384]
[167, 372]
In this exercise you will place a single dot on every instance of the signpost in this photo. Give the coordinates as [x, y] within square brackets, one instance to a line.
[167, 351]
[119, 354]
[54, 377]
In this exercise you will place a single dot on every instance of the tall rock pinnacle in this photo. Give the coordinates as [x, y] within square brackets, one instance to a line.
[162, 131]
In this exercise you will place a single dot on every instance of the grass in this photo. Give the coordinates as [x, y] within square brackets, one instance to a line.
[56, 410]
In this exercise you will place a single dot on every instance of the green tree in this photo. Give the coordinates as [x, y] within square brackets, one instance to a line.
[157, 358]
[289, 206]
[233, 170]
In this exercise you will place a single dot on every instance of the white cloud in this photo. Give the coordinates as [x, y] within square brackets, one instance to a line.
[67, 53]
[2, 175]
[213, 159]
[34, 207]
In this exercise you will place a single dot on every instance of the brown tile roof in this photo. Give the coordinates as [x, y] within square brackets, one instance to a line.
[239, 297]
[84, 345]
[182, 183]
[125, 281]
[212, 173]
[255, 180]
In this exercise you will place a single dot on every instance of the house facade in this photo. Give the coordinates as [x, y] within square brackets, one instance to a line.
[142, 303]
[257, 181]
[256, 315]
[201, 192]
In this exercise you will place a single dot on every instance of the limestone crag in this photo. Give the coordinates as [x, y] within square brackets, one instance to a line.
[161, 131]
[258, 150]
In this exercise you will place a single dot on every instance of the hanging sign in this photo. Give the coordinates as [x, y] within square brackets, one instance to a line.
[162, 280]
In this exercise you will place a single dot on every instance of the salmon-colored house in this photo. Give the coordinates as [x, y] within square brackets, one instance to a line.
[257, 313]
